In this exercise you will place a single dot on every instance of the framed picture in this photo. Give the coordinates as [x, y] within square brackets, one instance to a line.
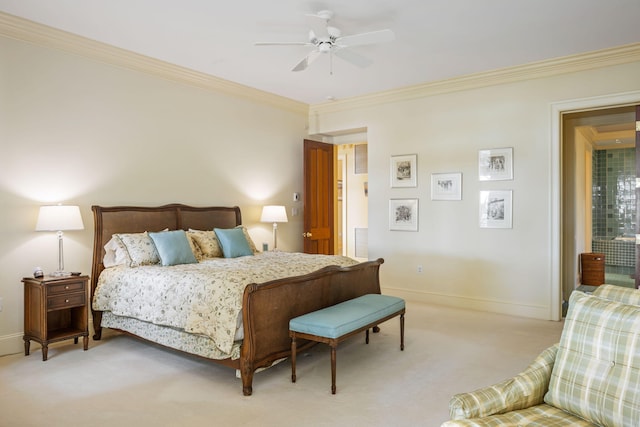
[496, 209]
[404, 171]
[496, 164]
[446, 186]
[403, 214]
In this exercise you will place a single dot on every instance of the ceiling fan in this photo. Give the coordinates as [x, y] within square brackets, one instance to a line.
[332, 42]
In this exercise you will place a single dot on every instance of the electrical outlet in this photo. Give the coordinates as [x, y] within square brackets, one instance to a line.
[419, 269]
[0, 304]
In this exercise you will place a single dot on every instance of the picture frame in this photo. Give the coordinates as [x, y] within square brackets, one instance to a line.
[446, 186]
[403, 214]
[496, 209]
[404, 171]
[495, 164]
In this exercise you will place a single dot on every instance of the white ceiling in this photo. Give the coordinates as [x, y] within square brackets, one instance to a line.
[435, 39]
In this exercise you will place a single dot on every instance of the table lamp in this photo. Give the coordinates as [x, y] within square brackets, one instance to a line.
[59, 218]
[274, 214]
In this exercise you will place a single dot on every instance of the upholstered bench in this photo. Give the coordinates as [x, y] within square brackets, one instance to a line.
[334, 324]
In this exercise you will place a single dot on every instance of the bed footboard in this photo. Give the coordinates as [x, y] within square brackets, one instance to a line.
[268, 307]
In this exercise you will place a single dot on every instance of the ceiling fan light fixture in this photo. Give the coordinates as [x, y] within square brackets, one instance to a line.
[324, 47]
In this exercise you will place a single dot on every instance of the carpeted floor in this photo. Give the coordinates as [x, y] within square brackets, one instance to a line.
[121, 381]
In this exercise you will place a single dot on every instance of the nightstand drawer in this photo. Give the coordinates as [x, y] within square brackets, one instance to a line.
[65, 301]
[53, 288]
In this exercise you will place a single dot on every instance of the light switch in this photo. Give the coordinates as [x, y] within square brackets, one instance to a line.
[296, 197]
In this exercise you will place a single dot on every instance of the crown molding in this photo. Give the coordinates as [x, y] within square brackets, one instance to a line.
[547, 68]
[32, 32]
[28, 31]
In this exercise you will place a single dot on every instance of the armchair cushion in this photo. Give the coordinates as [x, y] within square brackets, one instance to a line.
[597, 368]
[522, 391]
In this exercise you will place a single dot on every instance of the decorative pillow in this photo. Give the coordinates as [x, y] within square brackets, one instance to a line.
[206, 242]
[194, 247]
[173, 247]
[597, 370]
[233, 242]
[140, 248]
[115, 254]
[252, 245]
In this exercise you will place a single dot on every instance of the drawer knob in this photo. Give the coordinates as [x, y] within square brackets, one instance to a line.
[66, 287]
[66, 300]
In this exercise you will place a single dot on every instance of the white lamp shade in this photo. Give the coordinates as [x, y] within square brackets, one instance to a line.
[59, 218]
[272, 213]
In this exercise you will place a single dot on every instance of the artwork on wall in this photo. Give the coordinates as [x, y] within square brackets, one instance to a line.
[403, 214]
[446, 186]
[404, 171]
[496, 209]
[495, 164]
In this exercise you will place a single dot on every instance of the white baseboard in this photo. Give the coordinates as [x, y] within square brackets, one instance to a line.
[472, 303]
[12, 344]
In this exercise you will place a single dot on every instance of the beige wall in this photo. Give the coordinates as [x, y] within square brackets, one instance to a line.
[513, 271]
[79, 131]
[82, 132]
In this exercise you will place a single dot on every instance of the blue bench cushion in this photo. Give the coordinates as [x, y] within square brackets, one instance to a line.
[348, 316]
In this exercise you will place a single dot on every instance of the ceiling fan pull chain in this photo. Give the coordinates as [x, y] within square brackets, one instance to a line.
[330, 63]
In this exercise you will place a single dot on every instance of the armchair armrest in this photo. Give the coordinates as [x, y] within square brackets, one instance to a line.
[522, 391]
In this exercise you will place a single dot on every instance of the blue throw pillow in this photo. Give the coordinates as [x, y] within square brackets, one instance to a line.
[173, 247]
[233, 242]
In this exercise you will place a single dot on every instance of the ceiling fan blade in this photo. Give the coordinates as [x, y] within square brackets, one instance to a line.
[282, 44]
[353, 57]
[302, 65]
[380, 36]
[313, 40]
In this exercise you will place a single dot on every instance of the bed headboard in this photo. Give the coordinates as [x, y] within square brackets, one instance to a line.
[137, 219]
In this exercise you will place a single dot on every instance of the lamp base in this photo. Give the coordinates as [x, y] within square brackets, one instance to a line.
[60, 274]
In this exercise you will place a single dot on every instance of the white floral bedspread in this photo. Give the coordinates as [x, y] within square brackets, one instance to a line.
[203, 298]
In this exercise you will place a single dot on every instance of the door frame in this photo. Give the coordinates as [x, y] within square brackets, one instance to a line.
[558, 109]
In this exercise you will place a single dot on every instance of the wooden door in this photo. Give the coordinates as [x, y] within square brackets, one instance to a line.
[637, 196]
[319, 160]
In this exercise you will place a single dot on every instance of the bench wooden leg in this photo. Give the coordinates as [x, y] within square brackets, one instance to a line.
[293, 358]
[333, 369]
[366, 337]
[402, 332]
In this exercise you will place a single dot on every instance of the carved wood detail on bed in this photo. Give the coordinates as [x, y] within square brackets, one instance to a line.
[267, 307]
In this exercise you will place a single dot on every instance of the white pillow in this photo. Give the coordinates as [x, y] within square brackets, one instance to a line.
[115, 254]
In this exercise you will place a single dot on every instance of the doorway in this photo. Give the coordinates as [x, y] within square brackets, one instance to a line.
[599, 193]
[350, 193]
[352, 201]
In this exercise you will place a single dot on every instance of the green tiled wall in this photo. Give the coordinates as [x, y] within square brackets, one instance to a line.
[614, 198]
[614, 208]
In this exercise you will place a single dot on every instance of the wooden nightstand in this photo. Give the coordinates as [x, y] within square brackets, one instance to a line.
[55, 309]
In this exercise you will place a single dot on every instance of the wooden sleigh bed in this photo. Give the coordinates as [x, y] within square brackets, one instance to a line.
[266, 308]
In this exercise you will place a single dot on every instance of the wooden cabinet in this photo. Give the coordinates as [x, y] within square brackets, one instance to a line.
[55, 309]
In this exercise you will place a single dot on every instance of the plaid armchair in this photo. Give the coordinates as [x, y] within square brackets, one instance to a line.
[591, 378]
